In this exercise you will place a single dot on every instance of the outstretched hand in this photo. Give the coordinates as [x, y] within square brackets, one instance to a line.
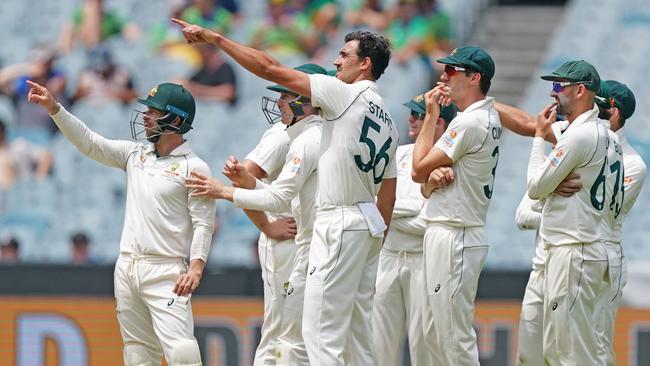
[195, 34]
[204, 186]
[237, 173]
[39, 94]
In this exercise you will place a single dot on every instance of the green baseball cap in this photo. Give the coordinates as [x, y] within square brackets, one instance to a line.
[418, 105]
[472, 58]
[174, 98]
[576, 71]
[612, 93]
[307, 69]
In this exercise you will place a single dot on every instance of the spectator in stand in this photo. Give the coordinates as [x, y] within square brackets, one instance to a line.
[438, 41]
[80, 249]
[20, 159]
[369, 13]
[285, 33]
[104, 81]
[9, 251]
[407, 31]
[7, 164]
[40, 68]
[92, 24]
[215, 81]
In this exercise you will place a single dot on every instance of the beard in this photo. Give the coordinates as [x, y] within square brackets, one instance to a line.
[153, 135]
[562, 105]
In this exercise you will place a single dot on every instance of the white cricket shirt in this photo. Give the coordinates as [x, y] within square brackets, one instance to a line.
[270, 154]
[359, 141]
[529, 217]
[472, 142]
[612, 223]
[162, 218]
[406, 232]
[635, 172]
[582, 148]
[298, 178]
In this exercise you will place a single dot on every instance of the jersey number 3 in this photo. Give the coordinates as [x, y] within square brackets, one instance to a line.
[375, 157]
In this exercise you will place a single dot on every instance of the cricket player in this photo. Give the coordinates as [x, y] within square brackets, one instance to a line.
[617, 104]
[455, 243]
[576, 261]
[163, 223]
[276, 246]
[398, 292]
[298, 179]
[357, 166]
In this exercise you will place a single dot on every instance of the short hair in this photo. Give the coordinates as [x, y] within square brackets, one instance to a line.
[80, 239]
[374, 46]
[484, 83]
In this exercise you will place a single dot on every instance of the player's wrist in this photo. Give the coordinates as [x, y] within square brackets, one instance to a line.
[54, 109]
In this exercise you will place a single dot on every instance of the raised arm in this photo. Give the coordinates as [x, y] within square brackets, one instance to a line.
[258, 62]
[426, 157]
[108, 152]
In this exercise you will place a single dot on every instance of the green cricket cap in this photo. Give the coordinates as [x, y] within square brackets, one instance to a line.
[576, 71]
[616, 94]
[307, 69]
[472, 58]
[418, 105]
[331, 72]
[174, 98]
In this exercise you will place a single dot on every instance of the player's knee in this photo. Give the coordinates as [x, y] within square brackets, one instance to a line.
[140, 355]
[185, 353]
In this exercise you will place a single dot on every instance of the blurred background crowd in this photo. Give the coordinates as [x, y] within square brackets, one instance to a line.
[98, 56]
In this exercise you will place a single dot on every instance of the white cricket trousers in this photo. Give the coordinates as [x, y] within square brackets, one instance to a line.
[576, 279]
[398, 308]
[531, 322]
[276, 262]
[453, 260]
[290, 348]
[339, 289]
[617, 275]
[153, 320]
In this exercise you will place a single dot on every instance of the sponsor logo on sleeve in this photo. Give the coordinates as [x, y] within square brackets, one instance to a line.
[556, 157]
[449, 139]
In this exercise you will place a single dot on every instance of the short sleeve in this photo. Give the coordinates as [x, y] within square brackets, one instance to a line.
[330, 94]
[271, 151]
[462, 136]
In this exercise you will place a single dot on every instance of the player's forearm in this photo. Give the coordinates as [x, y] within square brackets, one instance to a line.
[201, 242]
[516, 120]
[258, 218]
[109, 152]
[268, 199]
[422, 148]
[258, 62]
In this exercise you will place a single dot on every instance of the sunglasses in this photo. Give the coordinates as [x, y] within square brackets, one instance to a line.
[453, 70]
[558, 86]
[417, 115]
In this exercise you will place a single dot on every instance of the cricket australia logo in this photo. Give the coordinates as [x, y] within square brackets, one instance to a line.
[153, 91]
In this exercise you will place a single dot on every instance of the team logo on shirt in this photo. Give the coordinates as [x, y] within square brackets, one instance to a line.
[556, 158]
[449, 139]
[172, 169]
[295, 165]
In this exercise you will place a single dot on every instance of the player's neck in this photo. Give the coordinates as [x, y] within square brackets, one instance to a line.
[468, 99]
[167, 144]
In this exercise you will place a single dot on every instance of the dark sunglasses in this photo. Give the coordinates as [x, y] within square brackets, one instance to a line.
[417, 115]
[558, 86]
[453, 70]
